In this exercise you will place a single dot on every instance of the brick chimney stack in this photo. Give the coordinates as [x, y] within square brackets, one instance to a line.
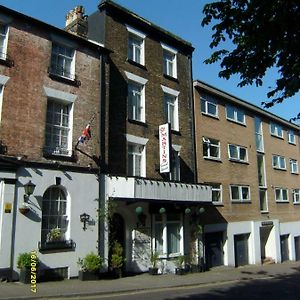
[76, 22]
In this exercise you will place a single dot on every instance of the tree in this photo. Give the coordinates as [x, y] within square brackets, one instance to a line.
[264, 34]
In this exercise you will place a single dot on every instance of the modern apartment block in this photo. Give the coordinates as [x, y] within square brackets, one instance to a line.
[49, 90]
[150, 85]
[250, 157]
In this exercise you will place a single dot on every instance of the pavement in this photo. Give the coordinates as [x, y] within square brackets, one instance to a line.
[144, 282]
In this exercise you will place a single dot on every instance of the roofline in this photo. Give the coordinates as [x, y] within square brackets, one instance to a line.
[209, 88]
[109, 3]
[40, 23]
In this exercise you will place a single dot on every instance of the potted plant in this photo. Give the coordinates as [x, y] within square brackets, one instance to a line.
[179, 263]
[117, 259]
[90, 266]
[24, 264]
[55, 235]
[154, 258]
[24, 208]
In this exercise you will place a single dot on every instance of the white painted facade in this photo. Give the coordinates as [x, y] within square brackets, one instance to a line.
[22, 233]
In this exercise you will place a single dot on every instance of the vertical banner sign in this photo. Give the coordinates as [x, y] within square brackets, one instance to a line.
[164, 148]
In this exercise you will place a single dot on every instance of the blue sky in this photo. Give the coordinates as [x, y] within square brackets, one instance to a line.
[182, 18]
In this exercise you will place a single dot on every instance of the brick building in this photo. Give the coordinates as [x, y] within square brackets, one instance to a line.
[50, 87]
[150, 85]
[250, 157]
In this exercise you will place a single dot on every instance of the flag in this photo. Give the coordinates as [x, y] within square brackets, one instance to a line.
[86, 135]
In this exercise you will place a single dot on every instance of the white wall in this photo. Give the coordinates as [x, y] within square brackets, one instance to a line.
[83, 193]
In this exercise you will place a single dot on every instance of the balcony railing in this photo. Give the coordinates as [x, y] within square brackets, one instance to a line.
[138, 188]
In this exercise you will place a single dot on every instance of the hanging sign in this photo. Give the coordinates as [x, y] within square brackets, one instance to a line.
[164, 148]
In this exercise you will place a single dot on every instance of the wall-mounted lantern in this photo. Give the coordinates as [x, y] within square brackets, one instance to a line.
[84, 218]
[162, 210]
[29, 188]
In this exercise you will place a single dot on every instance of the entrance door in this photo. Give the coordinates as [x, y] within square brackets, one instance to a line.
[241, 249]
[284, 243]
[214, 254]
[297, 247]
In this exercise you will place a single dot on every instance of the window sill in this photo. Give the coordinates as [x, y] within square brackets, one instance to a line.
[171, 78]
[237, 122]
[293, 173]
[277, 136]
[70, 158]
[279, 169]
[241, 201]
[282, 201]
[296, 203]
[217, 203]
[70, 81]
[5, 61]
[212, 159]
[57, 246]
[239, 161]
[132, 62]
[136, 122]
[264, 212]
[176, 132]
[291, 143]
[210, 116]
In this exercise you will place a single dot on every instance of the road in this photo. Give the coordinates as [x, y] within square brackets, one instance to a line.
[285, 288]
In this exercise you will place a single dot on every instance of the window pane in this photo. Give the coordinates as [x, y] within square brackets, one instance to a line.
[245, 193]
[212, 109]
[233, 151]
[214, 151]
[243, 154]
[235, 192]
[173, 237]
[205, 149]
[263, 200]
[282, 162]
[230, 112]
[240, 116]
[203, 106]
[284, 195]
[159, 238]
[278, 194]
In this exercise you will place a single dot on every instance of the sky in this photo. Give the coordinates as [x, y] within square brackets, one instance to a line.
[182, 18]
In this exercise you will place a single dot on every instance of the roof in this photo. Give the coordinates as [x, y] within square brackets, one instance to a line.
[50, 28]
[148, 26]
[213, 90]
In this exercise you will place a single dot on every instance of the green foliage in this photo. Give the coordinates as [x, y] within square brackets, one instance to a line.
[117, 259]
[24, 260]
[55, 234]
[91, 262]
[154, 258]
[264, 34]
[179, 261]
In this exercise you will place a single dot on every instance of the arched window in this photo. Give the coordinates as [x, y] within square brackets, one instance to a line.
[54, 215]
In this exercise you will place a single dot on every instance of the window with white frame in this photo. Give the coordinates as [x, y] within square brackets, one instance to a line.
[168, 235]
[276, 130]
[54, 213]
[3, 40]
[169, 61]
[281, 194]
[136, 45]
[296, 196]
[136, 102]
[278, 162]
[175, 165]
[171, 107]
[237, 153]
[63, 61]
[240, 193]
[263, 200]
[235, 114]
[294, 166]
[58, 128]
[259, 135]
[216, 189]
[209, 106]
[291, 137]
[211, 148]
[135, 160]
